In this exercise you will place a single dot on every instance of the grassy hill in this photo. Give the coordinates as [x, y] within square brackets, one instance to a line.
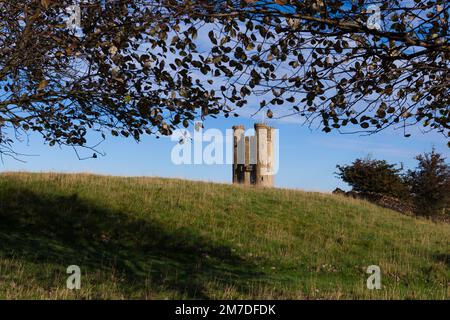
[162, 238]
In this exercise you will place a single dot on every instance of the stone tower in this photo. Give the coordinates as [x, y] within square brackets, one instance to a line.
[253, 158]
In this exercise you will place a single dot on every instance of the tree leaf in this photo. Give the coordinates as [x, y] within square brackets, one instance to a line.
[46, 3]
[42, 85]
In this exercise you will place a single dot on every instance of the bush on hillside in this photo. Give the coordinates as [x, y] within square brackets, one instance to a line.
[368, 176]
[430, 184]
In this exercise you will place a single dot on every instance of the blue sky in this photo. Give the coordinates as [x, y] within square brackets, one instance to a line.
[308, 158]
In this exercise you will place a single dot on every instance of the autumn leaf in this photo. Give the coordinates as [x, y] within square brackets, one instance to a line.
[127, 98]
[42, 85]
[46, 3]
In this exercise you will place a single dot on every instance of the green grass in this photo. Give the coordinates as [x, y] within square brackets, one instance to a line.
[151, 238]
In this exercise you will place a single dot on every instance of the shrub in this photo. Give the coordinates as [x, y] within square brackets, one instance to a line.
[430, 184]
[367, 176]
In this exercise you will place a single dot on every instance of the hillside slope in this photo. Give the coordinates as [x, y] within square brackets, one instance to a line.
[162, 238]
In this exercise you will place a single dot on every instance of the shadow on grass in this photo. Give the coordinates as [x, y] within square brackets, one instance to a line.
[68, 230]
[444, 257]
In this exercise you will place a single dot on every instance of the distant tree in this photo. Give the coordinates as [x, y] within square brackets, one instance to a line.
[367, 176]
[430, 184]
